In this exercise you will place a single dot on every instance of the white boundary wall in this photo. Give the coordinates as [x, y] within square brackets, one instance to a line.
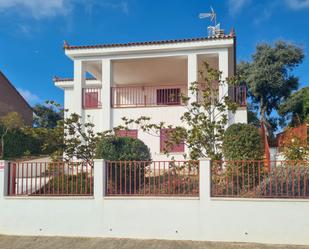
[205, 218]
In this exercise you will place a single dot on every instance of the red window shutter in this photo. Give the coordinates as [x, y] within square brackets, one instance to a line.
[91, 99]
[163, 139]
[127, 133]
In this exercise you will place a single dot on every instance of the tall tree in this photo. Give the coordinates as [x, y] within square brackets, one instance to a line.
[295, 109]
[47, 115]
[269, 75]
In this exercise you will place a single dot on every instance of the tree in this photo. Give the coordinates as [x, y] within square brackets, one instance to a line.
[296, 108]
[252, 116]
[47, 116]
[49, 128]
[204, 119]
[9, 122]
[80, 140]
[269, 75]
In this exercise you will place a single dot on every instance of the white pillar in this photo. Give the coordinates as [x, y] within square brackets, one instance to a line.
[106, 93]
[98, 178]
[205, 183]
[3, 178]
[192, 74]
[79, 82]
[224, 69]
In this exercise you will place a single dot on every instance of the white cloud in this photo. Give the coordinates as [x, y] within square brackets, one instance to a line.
[121, 6]
[297, 4]
[25, 30]
[37, 8]
[30, 97]
[235, 6]
[40, 9]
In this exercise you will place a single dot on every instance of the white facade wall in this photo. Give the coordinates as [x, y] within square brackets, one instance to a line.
[240, 116]
[204, 218]
[170, 115]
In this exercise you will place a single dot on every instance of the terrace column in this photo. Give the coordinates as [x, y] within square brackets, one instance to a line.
[192, 73]
[106, 94]
[79, 82]
[224, 68]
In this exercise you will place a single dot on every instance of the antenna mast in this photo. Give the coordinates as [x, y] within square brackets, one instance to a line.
[213, 30]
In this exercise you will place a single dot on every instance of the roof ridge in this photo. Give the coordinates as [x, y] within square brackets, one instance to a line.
[145, 43]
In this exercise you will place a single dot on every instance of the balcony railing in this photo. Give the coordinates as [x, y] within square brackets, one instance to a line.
[164, 95]
[239, 94]
[145, 96]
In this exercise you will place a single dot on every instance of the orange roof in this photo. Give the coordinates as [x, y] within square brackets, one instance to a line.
[220, 37]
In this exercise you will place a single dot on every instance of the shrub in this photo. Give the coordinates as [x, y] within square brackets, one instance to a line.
[293, 142]
[79, 184]
[17, 143]
[242, 142]
[287, 180]
[122, 149]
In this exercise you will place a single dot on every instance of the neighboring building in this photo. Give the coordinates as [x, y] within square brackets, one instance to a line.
[299, 132]
[145, 79]
[12, 101]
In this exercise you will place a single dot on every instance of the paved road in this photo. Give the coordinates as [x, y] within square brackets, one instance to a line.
[11, 242]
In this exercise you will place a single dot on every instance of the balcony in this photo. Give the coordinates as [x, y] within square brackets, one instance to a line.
[147, 95]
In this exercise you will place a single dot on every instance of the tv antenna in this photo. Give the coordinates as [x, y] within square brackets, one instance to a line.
[213, 30]
[212, 15]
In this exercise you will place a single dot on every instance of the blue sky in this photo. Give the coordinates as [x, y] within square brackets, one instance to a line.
[32, 31]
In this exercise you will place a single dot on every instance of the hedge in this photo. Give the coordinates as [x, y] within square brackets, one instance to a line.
[17, 144]
[242, 142]
[123, 149]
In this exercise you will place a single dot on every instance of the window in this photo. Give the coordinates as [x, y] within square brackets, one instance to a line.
[91, 98]
[168, 96]
[127, 133]
[164, 138]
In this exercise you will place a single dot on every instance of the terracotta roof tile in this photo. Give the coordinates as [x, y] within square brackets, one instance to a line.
[58, 79]
[221, 37]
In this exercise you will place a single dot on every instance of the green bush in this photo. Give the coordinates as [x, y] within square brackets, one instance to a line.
[242, 142]
[79, 184]
[123, 149]
[17, 143]
[286, 180]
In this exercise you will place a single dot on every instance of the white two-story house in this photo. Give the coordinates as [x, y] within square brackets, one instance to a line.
[139, 79]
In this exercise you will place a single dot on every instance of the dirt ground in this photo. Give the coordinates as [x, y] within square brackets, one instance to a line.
[17, 242]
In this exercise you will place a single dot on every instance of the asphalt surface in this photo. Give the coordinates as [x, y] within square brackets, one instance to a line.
[24, 242]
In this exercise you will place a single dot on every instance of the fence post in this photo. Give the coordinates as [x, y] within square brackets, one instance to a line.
[3, 178]
[98, 178]
[205, 183]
